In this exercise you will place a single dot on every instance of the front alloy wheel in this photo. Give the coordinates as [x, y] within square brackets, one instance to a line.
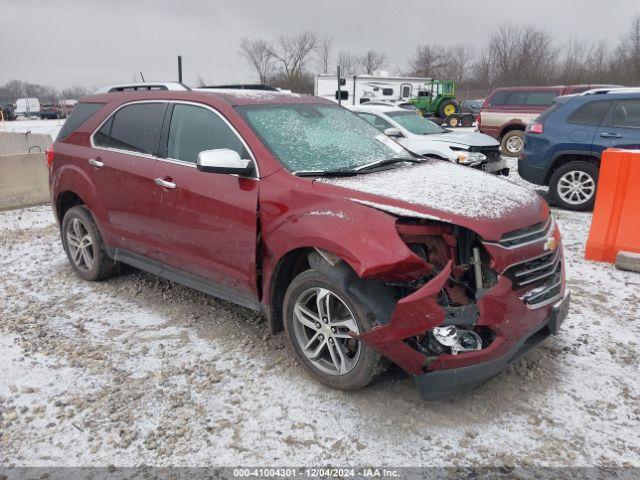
[322, 323]
[320, 320]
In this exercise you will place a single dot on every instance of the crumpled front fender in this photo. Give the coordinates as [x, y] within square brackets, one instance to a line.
[412, 316]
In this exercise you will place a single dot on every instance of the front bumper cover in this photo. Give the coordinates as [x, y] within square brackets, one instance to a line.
[441, 384]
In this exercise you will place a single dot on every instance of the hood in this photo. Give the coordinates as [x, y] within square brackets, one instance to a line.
[440, 190]
[464, 138]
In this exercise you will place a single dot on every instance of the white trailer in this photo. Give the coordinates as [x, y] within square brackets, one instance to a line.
[357, 89]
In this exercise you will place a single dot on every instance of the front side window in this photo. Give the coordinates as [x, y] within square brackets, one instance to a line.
[415, 123]
[590, 114]
[196, 129]
[318, 137]
[627, 113]
[135, 128]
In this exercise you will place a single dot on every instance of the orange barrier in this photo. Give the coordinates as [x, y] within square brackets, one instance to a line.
[616, 216]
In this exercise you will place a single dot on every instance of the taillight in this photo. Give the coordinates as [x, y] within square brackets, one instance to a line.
[535, 127]
[478, 120]
[50, 156]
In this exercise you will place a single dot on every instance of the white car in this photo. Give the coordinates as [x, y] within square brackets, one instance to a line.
[423, 137]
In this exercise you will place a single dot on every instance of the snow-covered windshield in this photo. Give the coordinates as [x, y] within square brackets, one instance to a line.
[319, 137]
[415, 123]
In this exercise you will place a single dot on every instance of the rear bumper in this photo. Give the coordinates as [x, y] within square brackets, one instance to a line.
[531, 173]
[440, 384]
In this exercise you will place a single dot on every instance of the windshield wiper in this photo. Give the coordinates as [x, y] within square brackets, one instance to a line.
[325, 173]
[388, 161]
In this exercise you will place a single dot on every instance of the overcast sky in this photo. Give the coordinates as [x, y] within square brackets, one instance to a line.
[96, 42]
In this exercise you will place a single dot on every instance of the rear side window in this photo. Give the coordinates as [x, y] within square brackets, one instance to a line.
[523, 97]
[196, 129]
[627, 113]
[78, 116]
[591, 114]
[135, 128]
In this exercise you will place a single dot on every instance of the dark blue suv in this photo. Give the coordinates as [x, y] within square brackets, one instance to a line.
[564, 144]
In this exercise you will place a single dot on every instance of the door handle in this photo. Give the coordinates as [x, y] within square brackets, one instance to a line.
[610, 135]
[165, 183]
[96, 163]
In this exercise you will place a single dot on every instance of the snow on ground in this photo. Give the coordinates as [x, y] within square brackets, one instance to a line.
[137, 370]
[51, 127]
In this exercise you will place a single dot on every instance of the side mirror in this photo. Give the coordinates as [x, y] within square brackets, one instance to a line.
[393, 132]
[223, 160]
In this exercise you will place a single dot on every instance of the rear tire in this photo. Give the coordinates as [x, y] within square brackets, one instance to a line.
[573, 186]
[357, 364]
[84, 246]
[448, 107]
[512, 143]
[467, 121]
[452, 121]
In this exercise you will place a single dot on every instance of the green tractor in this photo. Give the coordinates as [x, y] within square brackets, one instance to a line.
[437, 101]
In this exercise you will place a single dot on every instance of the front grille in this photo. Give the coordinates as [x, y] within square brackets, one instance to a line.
[523, 236]
[492, 153]
[535, 271]
[547, 293]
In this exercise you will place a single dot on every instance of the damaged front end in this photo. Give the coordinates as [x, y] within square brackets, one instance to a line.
[459, 322]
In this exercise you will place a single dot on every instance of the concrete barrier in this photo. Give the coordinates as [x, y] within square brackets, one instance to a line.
[24, 180]
[14, 143]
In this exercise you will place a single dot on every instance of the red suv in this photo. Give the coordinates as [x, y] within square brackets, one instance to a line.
[296, 207]
[507, 111]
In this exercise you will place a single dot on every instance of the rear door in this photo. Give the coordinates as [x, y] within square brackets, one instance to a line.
[621, 128]
[125, 148]
[205, 223]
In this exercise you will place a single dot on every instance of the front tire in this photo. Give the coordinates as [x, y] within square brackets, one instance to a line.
[573, 186]
[318, 315]
[83, 245]
[512, 143]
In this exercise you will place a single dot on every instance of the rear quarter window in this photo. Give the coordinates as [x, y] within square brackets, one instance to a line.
[79, 115]
[590, 114]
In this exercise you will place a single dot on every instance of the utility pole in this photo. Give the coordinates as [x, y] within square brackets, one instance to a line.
[339, 89]
[180, 68]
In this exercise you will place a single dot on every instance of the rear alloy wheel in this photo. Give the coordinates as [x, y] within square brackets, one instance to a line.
[573, 186]
[320, 321]
[512, 143]
[84, 246]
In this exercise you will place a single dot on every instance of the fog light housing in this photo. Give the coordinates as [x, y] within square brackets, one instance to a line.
[458, 340]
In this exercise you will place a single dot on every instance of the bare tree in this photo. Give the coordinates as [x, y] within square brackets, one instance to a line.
[349, 63]
[372, 61]
[74, 92]
[200, 81]
[428, 61]
[517, 55]
[325, 45]
[293, 53]
[259, 55]
[628, 53]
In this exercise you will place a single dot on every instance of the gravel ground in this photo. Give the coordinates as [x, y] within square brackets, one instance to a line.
[137, 370]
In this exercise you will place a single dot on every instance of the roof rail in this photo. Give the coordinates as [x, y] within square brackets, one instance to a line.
[604, 91]
[144, 86]
[241, 86]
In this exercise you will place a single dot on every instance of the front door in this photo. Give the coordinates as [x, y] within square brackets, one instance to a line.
[205, 223]
[621, 128]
